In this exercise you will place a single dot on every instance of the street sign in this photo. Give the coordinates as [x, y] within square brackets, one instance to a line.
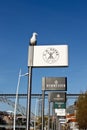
[48, 56]
[59, 105]
[54, 83]
[57, 97]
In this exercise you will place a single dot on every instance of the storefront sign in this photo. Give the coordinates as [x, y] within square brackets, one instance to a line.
[54, 83]
[59, 105]
[57, 97]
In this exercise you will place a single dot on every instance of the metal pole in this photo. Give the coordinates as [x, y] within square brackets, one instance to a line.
[52, 116]
[43, 109]
[35, 115]
[29, 98]
[30, 64]
[16, 100]
[49, 116]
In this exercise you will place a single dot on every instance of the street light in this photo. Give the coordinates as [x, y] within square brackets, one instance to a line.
[16, 99]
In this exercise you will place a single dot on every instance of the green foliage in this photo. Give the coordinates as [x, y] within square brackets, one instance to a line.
[81, 114]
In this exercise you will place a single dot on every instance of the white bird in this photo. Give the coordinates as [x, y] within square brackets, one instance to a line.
[33, 39]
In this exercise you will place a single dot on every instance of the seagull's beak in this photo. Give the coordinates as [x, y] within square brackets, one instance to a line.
[35, 34]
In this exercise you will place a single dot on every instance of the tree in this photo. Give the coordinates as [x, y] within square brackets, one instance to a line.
[81, 113]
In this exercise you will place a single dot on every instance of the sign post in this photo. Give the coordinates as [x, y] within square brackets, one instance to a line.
[29, 98]
[43, 98]
[49, 116]
[54, 84]
[55, 97]
[29, 88]
[48, 56]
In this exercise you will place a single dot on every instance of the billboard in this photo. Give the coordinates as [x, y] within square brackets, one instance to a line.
[54, 83]
[48, 56]
[57, 97]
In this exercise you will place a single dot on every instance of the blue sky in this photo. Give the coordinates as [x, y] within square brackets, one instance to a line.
[56, 22]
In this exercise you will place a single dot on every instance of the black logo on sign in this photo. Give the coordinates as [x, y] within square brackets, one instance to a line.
[51, 55]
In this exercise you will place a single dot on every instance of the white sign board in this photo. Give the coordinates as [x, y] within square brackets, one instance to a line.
[60, 112]
[48, 56]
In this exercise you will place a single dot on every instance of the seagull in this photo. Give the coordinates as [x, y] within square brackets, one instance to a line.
[33, 39]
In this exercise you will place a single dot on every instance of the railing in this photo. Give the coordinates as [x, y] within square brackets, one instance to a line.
[34, 95]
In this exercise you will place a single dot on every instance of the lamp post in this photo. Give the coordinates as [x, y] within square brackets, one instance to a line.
[16, 99]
